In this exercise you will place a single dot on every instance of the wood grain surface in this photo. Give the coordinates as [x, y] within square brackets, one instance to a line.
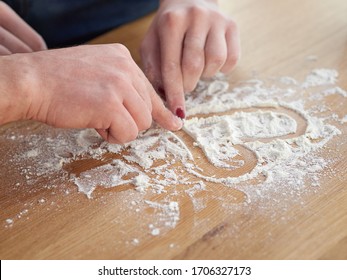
[58, 222]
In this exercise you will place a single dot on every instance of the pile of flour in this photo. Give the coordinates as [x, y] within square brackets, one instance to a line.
[220, 118]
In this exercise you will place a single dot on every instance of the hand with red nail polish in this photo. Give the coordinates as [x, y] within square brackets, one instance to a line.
[195, 39]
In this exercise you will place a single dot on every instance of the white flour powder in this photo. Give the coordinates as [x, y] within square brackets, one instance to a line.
[258, 118]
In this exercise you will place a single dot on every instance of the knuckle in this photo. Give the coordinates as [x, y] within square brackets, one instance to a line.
[120, 48]
[170, 19]
[233, 59]
[126, 137]
[170, 67]
[194, 42]
[193, 65]
[131, 135]
[231, 62]
[232, 25]
[198, 12]
[190, 86]
[216, 59]
[146, 123]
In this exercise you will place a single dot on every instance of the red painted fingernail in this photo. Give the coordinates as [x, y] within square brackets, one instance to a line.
[180, 113]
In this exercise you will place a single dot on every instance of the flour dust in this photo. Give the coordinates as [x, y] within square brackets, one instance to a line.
[272, 121]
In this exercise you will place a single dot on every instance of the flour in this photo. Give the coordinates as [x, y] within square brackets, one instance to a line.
[288, 81]
[223, 122]
[320, 77]
[311, 58]
[108, 175]
[198, 203]
[169, 213]
[216, 135]
[280, 160]
[135, 241]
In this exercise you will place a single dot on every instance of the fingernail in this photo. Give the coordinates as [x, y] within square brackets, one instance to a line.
[179, 123]
[180, 113]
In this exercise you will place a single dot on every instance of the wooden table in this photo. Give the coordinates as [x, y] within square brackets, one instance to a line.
[61, 223]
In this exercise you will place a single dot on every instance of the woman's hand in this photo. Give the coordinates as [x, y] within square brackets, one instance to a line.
[188, 39]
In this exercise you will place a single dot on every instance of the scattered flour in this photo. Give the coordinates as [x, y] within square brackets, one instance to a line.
[198, 203]
[320, 77]
[108, 175]
[311, 58]
[251, 115]
[169, 213]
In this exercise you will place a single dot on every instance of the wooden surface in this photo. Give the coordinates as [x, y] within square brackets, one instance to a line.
[60, 223]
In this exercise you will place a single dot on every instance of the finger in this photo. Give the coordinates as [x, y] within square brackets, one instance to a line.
[122, 128]
[163, 116]
[193, 58]
[150, 57]
[215, 52]
[143, 87]
[233, 48]
[138, 110]
[4, 50]
[10, 21]
[12, 43]
[171, 39]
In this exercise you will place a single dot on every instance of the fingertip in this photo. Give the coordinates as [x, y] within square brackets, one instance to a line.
[176, 103]
[177, 123]
[167, 117]
[102, 133]
[169, 121]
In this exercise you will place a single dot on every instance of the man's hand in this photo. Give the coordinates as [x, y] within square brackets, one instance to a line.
[16, 36]
[92, 86]
[188, 39]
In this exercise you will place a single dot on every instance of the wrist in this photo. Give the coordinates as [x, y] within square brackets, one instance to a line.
[16, 85]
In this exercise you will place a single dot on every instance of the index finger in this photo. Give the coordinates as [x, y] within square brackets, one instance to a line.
[171, 40]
